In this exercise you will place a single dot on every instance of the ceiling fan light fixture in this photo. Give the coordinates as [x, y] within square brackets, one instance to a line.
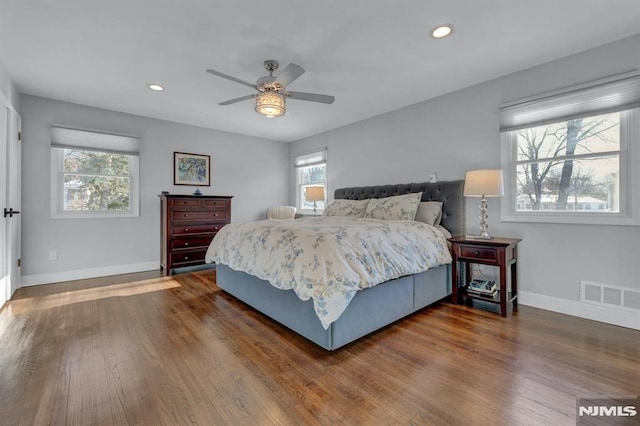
[270, 103]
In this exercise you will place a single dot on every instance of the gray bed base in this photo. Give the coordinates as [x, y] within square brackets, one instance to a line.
[372, 308]
[369, 310]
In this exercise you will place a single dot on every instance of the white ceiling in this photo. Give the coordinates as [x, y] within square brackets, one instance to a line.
[374, 56]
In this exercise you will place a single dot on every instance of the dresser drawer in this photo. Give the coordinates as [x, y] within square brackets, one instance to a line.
[221, 204]
[184, 202]
[195, 229]
[185, 258]
[202, 203]
[478, 253]
[190, 242]
[220, 215]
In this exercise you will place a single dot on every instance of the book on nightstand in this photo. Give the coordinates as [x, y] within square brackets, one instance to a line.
[477, 293]
[482, 287]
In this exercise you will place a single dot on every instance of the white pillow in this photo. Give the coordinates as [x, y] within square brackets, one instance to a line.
[353, 208]
[430, 212]
[399, 207]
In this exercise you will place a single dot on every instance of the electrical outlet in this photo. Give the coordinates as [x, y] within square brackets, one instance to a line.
[53, 254]
[433, 178]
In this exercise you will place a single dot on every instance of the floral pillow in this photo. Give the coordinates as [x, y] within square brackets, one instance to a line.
[353, 208]
[430, 212]
[399, 207]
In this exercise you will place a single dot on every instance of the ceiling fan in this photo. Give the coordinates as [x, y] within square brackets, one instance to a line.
[272, 91]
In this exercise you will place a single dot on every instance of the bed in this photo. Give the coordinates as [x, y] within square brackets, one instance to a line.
[367, 309]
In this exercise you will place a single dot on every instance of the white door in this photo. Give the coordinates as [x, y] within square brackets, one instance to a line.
[14, 156]
[5, 287]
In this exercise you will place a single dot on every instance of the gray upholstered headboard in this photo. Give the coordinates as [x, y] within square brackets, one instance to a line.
[449, 192]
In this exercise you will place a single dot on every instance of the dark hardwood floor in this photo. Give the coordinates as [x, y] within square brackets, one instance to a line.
[145, 349]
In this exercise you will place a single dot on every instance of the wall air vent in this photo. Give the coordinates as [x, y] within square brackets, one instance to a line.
[623, 298]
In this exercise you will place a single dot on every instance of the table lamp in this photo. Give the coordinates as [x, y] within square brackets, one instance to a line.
[314, 193]
[483, 183]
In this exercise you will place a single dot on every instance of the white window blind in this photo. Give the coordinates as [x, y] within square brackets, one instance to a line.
[311, 159]
[612, 94]
[64, 137]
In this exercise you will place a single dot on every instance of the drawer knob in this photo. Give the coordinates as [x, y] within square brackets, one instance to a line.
[476, 253]
[186, 258]
[215, 228]
[215, 214]
[186, 215]
[186, 229]
[186, 244]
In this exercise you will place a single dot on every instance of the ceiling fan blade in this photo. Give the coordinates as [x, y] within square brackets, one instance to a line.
[289, 74]
[313, 97]
[240, 99]
[228, 77]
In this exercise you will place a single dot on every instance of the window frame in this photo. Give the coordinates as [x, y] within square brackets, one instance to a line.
[57, 189]
[629, 155]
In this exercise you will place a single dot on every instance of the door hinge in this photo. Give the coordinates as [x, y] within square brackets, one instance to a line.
[19, 136]
[19, 263]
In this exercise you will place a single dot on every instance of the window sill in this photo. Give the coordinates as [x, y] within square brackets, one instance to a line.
[96, 215]
[573, 219]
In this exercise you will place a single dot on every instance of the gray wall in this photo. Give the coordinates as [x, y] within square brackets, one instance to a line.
[255, 171]
[458, 132]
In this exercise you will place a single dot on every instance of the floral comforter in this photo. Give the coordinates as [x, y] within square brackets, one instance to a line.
[329, 259]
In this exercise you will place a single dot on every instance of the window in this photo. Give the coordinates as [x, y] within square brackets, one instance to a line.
[568, 156]
[90, 181]
[569, 166]
[311, 170]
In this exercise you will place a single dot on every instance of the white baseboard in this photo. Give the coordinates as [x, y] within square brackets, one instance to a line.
[582, 310]
[80, 274]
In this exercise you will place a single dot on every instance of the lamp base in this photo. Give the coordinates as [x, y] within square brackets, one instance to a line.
[315, 212]
[478, 237]
[483, 220]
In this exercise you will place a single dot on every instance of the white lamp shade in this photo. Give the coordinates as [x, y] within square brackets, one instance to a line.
[314, 193]
[488, 183]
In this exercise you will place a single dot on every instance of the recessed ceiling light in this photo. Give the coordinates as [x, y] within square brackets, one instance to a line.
[442, 31]
[156, 87]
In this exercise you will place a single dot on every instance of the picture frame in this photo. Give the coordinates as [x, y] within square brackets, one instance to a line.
[191, 169]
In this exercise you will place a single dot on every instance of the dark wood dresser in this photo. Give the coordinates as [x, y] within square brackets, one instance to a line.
[188, 224]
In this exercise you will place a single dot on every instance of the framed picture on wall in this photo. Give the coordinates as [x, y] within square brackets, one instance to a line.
[191, 169]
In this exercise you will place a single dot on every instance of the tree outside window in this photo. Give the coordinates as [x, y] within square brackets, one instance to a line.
[572, 165]
[96, 181]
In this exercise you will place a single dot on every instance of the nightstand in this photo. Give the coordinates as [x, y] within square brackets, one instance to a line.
[500, 252]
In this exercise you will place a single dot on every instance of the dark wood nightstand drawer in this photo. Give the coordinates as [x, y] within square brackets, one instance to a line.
[478, 253]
